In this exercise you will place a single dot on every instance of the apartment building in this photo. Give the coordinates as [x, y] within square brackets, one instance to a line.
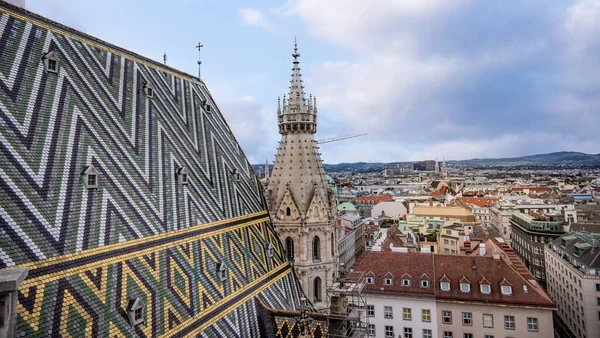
[448, 296]
[452, 238]
[573, 276]
[529, 237]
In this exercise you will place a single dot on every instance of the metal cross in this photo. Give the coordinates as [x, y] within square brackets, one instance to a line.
[199, 61]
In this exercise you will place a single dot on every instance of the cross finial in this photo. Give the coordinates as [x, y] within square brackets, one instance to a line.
[199, 46]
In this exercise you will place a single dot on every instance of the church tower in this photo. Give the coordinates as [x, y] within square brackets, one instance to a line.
[302, 203]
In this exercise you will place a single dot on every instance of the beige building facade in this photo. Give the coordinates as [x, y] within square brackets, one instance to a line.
[573, 281]
[303, 206]
[463, 319]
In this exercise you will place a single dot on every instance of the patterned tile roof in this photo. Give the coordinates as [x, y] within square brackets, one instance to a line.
[197, 253]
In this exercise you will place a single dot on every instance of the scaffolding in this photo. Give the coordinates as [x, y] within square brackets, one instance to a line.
[347, 305]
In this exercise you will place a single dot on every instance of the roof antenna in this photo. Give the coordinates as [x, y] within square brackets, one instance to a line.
[165, 58]
[199, 61]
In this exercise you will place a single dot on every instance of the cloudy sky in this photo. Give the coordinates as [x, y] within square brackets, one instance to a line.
[424, 78]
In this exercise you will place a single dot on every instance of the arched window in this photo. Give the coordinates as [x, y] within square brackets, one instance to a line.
[317, 289]
[288, 211]
[289, 248]
[316, 248]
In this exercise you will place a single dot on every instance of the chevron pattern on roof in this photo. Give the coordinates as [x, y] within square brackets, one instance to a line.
[141, 233]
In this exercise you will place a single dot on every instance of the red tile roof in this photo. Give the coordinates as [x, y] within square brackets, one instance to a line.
[373, 199]
[497, 271]
[480, 202]
[453, 268]
[385, 264]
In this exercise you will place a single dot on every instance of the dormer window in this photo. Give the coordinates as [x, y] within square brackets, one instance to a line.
[206, 106]
[525, 288]
[465, 287]
[388, 281]
[221, 271]
[485, 289]
[506, 290]
[135, 311]
[148, 90]
[405, 282]
[50, 60]
[369, 280]
[445, 286]
[424, 283]
[89, 175]
[182, 176]
[270, 250]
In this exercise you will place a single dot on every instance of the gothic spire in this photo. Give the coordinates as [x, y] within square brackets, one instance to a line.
[296, 98]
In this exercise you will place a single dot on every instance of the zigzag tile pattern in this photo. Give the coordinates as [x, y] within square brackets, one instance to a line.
[140, 233]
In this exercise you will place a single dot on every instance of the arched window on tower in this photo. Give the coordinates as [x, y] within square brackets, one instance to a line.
[289, 248]
[288, 211]
[317, 289]
[316, 249]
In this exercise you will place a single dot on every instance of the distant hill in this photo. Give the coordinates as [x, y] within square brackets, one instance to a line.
[558, 158]
[562, 158]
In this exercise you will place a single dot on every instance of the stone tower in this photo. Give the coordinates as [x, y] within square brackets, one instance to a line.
[302, 203]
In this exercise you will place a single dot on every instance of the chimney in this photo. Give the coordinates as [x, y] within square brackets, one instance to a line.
[482, 251]
[496, 254]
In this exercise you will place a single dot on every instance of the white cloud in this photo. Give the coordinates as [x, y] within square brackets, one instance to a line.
[464, 78]
[255, 17]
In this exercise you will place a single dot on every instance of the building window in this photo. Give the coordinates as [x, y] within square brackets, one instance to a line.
[467, 318]
[509, 322]
[465, 287]
[371, 330]
[467, 335]
[408, 332]
[317, 289]
[406, 313]
[426, 315]
[148, 90]
[486, 289]
[388, 312]
[316, 249]
[488, 336]
[389, 331]
[221, 271]
[288, 211]
[445, 286]
[182, 175]
[388, 281]
[447, 334]
[488, 320]
[50, 60]
[447, 317]
[371, 310]
[598, 287]
[289, 248]
[369, 280]
[89, 175]
[506, 290]
[135, 311]
[405, 282]
[427, 333]
[424, 283]
[525, 288]
[532, 324]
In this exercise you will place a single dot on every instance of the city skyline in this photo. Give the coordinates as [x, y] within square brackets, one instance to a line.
[460, 80]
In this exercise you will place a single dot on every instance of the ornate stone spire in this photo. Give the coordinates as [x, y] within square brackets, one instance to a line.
[266, 168]
[297, 115]
[296, 101]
